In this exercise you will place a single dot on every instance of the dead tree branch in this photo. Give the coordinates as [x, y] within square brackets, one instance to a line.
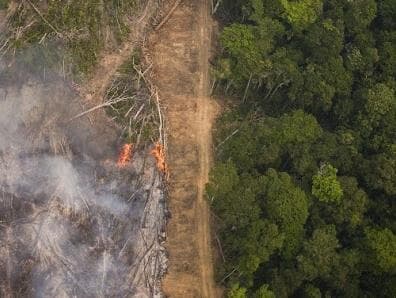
[227, 138]
[167, 17]
[103, 105]
[43, 18]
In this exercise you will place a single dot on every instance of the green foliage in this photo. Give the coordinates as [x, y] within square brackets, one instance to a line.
[387, 13]
[381, 246]
[240, 42]
[247, 47]
[301, 13]
[262, 143]
[319, 255]
[387, 54]
[296, 129]
[264, 292]
[381, 172]
[225, 199]
[325, 185]
[324, 40]
[379, 101]
[377, 120]
[312, 292]
[287, 206]
[311, 82]
[80, 25]
[322, 83]
[360, 14]
[351, 208]
[249, 240]
[4, 4]
[237, 292]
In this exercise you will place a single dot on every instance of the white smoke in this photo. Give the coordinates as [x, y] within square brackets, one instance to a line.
[69, 226]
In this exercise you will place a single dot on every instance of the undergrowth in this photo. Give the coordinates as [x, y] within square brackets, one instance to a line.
[3, 4]
[81, 27]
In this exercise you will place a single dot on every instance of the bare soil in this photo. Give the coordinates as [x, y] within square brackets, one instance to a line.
[180, 52]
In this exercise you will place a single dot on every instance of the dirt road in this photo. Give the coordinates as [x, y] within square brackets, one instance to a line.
[180, 52]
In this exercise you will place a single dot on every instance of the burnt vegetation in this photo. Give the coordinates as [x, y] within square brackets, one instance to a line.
[73, 223]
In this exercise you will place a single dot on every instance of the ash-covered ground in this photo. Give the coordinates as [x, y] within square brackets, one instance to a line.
[72, 223]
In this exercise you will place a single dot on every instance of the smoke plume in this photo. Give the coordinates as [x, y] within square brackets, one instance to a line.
[72, 223]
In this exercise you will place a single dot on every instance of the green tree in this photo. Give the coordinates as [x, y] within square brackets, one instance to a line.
[324, 40]
[237, 207]
[287, 206]
[379, 172]
[325, 185]
[237, 292]
[381, 245]
[319, 255]
[248, 47]
[301, 13]
[311, 291]
[360, 14]
[353, 205]
[248, 239]
[254, 245]
[264, 292]
[241, 43]
[387, 54]
[387, 13]
[322, 83]
[379, 101]
[377, 121]
[295, 129]
[317, 79]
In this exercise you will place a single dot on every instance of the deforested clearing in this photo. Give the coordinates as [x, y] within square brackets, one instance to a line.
[82, 203]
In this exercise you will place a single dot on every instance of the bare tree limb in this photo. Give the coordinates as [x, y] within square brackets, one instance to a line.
[228, 275]
[43, 18]
[247, 88]
[227, 138]
[220, 248]
[216, 6]
[167, 17]
[103, 105]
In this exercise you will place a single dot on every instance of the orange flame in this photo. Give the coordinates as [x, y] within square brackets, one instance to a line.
[159, 155]
[125, 155]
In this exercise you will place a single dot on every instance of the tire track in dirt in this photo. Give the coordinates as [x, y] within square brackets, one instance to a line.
[180, 51]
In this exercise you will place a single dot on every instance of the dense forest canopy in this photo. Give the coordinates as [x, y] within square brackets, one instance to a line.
[304, 186]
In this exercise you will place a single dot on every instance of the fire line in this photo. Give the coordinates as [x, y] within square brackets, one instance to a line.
[125, 155]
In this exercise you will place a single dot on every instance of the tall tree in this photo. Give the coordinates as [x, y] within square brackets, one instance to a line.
[325, 185]
[287, 206]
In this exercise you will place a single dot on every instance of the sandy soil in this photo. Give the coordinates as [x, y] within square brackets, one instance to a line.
[180, 52]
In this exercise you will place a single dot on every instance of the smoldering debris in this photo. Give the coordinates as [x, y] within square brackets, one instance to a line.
[73, 223]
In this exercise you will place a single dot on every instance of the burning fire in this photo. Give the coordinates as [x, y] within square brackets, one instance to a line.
[159, 155]
[125, 155]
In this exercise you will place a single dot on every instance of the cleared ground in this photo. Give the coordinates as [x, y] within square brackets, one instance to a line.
[180, 51]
